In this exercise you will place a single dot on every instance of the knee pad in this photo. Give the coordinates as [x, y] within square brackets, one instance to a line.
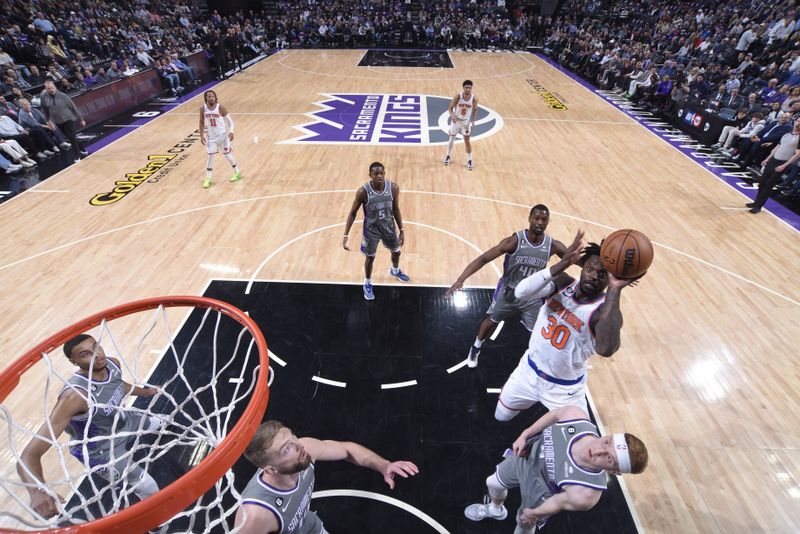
[501, 413]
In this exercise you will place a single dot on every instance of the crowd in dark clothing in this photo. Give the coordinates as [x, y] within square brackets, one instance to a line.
[740, 57]
[97, 42]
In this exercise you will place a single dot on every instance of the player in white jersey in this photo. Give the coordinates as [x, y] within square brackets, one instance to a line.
[216, 132]
[463, 111]
[577, 319]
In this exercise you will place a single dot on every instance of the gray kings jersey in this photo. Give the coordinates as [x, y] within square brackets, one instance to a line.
[290, 507]
[105, 417]
[378, 207]
[526, 260]
[553, 460]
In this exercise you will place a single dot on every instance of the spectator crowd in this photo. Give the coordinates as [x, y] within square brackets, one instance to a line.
[739, 58]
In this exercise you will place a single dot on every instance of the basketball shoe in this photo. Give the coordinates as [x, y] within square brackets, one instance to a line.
[472, 357]
[479, 512]
[368, 294]
[446, 160]
[470, 166]
[237, 175]
[400, 275]
[206, 183]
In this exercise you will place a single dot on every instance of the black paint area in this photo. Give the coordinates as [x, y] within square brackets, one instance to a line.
[407, 58]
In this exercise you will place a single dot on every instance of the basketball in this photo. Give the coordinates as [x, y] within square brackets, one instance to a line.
[626, 253]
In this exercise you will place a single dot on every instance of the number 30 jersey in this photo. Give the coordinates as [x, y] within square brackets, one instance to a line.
[562, 340]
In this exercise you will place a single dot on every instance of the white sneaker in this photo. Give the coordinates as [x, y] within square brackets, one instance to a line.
[13, 168]
[24, 163]
[56, 150]
[40, 155]
[446, 160]
[470, 166]
[479, 512]
[66, 145]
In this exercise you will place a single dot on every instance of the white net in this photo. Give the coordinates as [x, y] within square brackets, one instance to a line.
[124, 447]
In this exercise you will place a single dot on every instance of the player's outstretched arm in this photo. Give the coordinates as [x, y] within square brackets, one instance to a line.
[506, 246]
[29, 466]
[359, 455]
[542, 284]
[361, 198]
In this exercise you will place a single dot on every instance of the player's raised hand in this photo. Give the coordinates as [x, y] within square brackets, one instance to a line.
[573, 252]
[402, 468]
[619, 283]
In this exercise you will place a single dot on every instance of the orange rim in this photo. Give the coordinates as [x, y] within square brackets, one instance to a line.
[163, 505]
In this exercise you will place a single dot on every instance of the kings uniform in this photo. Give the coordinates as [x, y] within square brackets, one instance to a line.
[550, 465]
[523, 262]
[379, 220]
[290, 507]
[107, 418]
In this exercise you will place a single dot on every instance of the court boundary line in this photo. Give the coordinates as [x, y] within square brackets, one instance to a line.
[594, 91]
[407, 191]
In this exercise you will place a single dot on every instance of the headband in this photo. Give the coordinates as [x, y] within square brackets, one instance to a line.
[623, 457]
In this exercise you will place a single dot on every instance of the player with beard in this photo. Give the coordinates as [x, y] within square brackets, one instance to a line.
[527, 251]
[577, 319]
[277, 498]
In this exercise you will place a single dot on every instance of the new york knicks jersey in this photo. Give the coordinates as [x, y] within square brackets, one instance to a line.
[215, 124]
[105, 417]
[562, 340]
[291, 507]
[378, 207]
[464, 107]
[525, 260]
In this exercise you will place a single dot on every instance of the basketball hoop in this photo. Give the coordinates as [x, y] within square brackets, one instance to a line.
[214, 415]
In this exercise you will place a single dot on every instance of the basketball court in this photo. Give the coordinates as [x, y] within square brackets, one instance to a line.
[706, 374]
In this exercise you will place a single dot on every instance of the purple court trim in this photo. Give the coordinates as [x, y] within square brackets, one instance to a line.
[108, 139]
[788, 216]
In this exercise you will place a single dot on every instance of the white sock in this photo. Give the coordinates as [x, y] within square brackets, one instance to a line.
[495, 509]
[208, 174]
[450, 145]
[367, 281]
[478, 343]
[395, 270]
[209, 165]
[229, 157]
[469, 157]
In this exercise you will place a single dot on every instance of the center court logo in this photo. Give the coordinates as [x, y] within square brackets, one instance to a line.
[386, 119]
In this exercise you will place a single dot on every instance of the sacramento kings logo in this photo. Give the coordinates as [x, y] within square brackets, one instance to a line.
[387, 119]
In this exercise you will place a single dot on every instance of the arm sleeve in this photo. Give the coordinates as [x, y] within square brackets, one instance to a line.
[229, 122]
[537, 286]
